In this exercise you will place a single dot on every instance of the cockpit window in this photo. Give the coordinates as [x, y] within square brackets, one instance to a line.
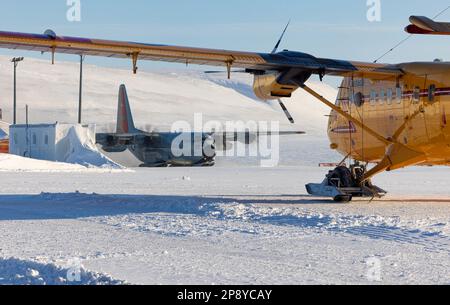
[399, 94]
[389, 96]
[382, 96]
[373, 97]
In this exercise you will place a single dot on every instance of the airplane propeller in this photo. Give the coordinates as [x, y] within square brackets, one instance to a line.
[286, 111]
[275, 49]
[281, 38]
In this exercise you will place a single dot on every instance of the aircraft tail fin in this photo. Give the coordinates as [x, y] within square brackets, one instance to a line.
[125, 122]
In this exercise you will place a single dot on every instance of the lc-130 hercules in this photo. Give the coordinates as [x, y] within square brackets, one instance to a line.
[155, 149]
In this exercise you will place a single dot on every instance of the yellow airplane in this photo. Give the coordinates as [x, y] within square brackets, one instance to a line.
[391, 115]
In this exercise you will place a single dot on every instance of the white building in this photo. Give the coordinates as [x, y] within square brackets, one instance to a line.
[52, 142]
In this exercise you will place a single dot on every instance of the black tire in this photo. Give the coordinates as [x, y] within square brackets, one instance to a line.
[344, 175]
[343, 198]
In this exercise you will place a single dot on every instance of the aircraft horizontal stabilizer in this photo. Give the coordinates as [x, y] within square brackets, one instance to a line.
[424, 25]
[250, 137]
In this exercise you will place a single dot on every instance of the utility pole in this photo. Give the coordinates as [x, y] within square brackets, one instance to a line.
[80, 98]
[15, 61]
[26, 114]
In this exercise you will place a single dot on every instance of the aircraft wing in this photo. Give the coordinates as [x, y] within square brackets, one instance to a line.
[112, 139]
[254, 62]
[108, 139]
[425, 25]
[119, 140]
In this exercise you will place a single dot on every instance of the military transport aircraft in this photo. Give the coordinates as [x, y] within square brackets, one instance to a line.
[391, 115]
[155, 149]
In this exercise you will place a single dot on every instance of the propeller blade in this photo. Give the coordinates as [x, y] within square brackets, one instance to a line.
[281, 38]
[286, 112]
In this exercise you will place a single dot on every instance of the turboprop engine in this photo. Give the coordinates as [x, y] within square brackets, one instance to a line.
[266, 87]
[112, 144]
[273, 86]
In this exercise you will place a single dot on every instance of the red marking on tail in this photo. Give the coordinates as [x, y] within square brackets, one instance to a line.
[124, 113]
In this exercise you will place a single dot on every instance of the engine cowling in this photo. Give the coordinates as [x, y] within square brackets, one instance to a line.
[267, 87]
[114, 149]
[110, 143]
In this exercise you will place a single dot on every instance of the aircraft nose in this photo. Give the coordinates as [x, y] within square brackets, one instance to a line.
[209, 147]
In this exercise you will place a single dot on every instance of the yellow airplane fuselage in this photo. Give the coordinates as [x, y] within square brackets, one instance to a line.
[412, 110]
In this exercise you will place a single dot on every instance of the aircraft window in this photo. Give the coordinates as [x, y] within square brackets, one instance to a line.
[382, 96]
[389, 96]
[373, 97]
[416, 94]
[399, 94]
[358, 99]
[431, 93]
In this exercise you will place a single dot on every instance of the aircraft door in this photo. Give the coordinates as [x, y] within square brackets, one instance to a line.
[359, 111]
[433, 113]
[416, 133]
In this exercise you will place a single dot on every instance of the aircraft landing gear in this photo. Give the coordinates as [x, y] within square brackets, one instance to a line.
[344, 183]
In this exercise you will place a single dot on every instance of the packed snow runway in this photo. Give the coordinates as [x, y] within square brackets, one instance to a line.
[221, 225]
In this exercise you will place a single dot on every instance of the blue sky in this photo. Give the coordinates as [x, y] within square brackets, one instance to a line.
[334, 29]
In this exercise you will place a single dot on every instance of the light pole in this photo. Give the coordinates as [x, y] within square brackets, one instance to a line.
[15, 61]
[80, 97]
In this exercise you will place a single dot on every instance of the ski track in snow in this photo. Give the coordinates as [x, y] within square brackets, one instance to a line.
[206, 217]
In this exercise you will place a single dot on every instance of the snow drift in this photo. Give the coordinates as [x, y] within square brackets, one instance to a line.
[12, 163]
[67, 143]
[82, 150]
[19, 272]
[4, 130]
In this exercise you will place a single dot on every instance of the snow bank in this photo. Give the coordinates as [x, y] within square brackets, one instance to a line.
[4, 130]
[66, 143]
[12, 163]
[83, 151]
[18, 272]
[16, 163]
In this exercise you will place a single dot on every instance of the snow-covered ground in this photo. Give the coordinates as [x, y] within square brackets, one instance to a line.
[226, 225]
[11, 163]
[236, 223]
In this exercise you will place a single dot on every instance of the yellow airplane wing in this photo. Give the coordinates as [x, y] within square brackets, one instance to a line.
[252, 62]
